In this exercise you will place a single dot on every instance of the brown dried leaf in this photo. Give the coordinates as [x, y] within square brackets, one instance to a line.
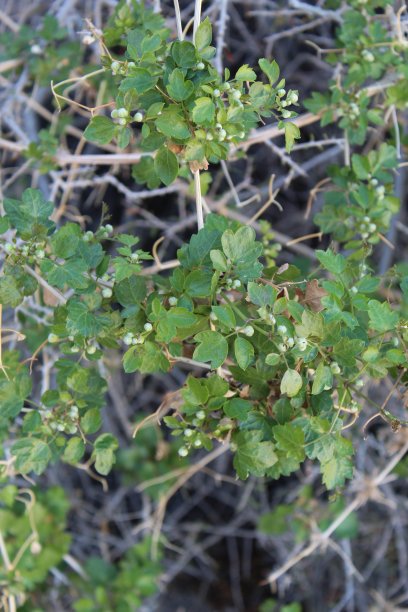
[313, 296]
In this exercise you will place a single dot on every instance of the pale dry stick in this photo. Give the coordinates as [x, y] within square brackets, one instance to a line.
[76, 81]
[313, 194]
[58, 212]
[357, 502]
[285, 159]
[221, 27]
[43, 283]
[230, 183]
[164, 500]
[179, 25]
[8, 21]
[305, 237]
[197, 17]
[199, 202]
[10, 64]
[270, 200]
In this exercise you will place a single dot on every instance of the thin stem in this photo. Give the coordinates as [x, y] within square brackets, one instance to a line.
[197, 17]
[179, 25]
[199, 202]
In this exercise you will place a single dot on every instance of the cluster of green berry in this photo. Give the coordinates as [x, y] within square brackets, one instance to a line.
[62, 419]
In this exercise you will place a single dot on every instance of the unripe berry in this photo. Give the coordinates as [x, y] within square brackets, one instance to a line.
[198, 443]
[188, 432]
[216, 93]
[53, 338]
[107, 292]
[35, 548]
[172, 300]
[122, 112]
[91, 350]
[128, 339]
[138, 117]
[200, 66]
[183, 451]
[236, 94]
[114, 113]
[148, 327]
[282, 329]
[122, 121]
[200, 415]
[248, 331]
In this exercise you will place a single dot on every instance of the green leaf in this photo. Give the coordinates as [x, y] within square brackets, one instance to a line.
[212, 347]
[100, 130]
[32, 455]
[10, 294]
[218, 260]
[244, 352]
[131, 291]
[172, 124]
[346, 349]
[177, 87]
[81, 320]
[323, 379]
[225, 315]
[361, 166]
[144, 172]
[104, 453]
[239, 245]
[203, 35]
[30, 217]
[245, 73]
[336, 264]
[292, 133]
[184, 54]
[261, 295]
[237, 408]
[339, 467]
[166, 165]
[273, 359]
[271, 69]
[196, 392]
[65, 240]
[252, 456]
[203, 111]
[91, 421]
[146, 358]
[74, 450]
[12, 395]
[70, 273]
[291, 383]
[140, 81]
[291, 439]
[198, 283]
[382, 317]
[312, 325]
